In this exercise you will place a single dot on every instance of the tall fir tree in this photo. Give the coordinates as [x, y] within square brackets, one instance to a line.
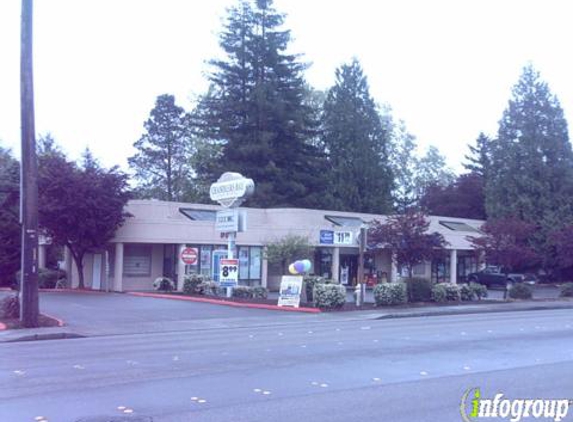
[478, 160]
[10, 236]
[357, 144]
[404, 162]
[256, 112]
[432, 170]
[162, 164]
[531, 172]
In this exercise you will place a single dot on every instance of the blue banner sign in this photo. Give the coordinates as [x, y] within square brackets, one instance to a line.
[326, 237]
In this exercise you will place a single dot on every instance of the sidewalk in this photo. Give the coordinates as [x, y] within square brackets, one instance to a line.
[52, 333]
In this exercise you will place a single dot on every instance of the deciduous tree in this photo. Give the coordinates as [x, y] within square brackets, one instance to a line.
[507, 242]
[407, 236]
[80, 207]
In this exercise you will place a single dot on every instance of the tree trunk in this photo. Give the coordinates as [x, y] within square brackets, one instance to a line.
[79, 260]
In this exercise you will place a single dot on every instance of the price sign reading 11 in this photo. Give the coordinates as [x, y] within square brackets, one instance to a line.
[343, 238]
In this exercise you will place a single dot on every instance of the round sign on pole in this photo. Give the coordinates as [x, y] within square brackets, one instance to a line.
[189, 256]
[231, 189]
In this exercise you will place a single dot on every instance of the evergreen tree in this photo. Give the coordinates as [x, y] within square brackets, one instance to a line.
[479, 157]
[432, 170]
[162, 164]
[357, 144]
[256, 111]
[404, 162]
[10, 236]
[531, 173]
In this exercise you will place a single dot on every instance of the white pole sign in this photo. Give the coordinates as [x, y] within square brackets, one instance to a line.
[230, 191]
[228, 272]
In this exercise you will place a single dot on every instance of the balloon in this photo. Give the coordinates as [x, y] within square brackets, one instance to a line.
[307, 265]
[299, 267]
[291, 269]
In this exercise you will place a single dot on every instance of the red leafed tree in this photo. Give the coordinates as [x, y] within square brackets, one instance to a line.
[80, 207]
[507, 242]
[408, 237]
[561, 244]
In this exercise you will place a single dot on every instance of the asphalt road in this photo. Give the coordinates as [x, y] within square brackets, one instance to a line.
[412, 369]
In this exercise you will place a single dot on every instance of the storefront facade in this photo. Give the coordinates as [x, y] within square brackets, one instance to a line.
[149, 245]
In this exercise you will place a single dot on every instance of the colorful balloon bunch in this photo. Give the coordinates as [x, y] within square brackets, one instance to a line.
[300, 267]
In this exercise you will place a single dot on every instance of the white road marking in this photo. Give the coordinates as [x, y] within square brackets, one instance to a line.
[128, 411]
[18, 372]
[201, 401]
[266, 393]
[467, 368]
[79, 367]
[376, 379]
[324, 385]
[257, 390]
[121, 407]
[314, 383]
[423, 373]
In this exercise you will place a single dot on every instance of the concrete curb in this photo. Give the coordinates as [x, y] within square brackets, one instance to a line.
[226, 302]
[488, 310]
[61, 322]
[66, 290]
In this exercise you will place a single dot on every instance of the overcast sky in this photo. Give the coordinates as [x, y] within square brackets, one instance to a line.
[444, 66]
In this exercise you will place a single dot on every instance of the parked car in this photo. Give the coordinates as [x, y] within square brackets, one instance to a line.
[492, 276]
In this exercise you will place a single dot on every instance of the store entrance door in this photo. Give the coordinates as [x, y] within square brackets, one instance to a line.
[348, 270]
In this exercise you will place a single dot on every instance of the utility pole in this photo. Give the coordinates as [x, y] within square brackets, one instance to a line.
[29, 304]
[360, 285]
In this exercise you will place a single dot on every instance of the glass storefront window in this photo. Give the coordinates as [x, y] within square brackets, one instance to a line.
[323, 262]
[244, 263]
[206, 260]
[255, 263]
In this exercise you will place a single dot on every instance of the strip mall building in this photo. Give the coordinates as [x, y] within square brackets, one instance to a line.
[149, 244]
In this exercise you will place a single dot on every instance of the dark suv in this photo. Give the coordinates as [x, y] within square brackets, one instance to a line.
[492, 276]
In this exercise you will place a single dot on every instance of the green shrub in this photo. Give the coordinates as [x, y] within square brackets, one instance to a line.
[163, 284]
[210, 288]
[419, 289]
[480, 290]
[10, 307]
[390, 294]
[566, 290]
[242, 292]
[250, 292]
[439, 293]
[47, 278]
[329, 296]
[309, 283]
[467, 294]
[259, 292]
[191, 284]
[520, 291]
[453, 292]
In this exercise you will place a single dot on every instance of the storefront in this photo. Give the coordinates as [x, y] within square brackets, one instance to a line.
[150, 243]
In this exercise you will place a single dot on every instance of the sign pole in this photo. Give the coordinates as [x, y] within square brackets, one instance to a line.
[230, 255]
